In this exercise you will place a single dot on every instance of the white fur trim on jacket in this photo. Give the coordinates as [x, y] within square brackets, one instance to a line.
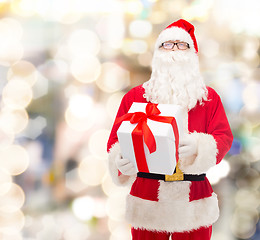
[205, 158]
[172, 215]
[122, 180]
[174, 33]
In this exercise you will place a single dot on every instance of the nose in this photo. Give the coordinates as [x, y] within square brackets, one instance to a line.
[175, 47]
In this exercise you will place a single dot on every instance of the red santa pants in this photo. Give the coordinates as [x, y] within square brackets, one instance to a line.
[199, 234]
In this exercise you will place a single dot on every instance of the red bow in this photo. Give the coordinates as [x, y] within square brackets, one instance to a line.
[143, 132]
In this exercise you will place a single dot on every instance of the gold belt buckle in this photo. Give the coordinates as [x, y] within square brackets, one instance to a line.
[177, 176]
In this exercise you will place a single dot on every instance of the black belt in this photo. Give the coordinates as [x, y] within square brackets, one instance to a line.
[174, 177]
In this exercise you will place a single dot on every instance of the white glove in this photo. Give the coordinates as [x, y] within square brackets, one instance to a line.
[188, 146]
[125, 166]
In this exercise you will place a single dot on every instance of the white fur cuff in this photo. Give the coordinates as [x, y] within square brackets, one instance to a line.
[174, 216]
[205, 158]
[121, 180]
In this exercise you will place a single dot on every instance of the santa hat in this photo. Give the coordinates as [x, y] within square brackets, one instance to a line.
[179, 30]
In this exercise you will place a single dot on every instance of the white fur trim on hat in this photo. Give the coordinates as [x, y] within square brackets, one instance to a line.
[205, 158]
[174, 33]
[122, 180]
[172, 216]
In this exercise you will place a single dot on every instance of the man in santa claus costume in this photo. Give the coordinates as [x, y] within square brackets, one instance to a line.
[183, 209]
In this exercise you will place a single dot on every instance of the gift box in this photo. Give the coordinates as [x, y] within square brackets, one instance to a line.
[149, 136]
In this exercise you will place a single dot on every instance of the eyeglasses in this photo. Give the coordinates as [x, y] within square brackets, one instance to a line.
[170, 45]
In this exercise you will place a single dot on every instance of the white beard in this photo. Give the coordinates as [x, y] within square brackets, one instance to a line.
[175, 79]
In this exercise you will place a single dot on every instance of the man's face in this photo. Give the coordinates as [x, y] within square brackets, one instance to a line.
[172, 52]
[175, 75]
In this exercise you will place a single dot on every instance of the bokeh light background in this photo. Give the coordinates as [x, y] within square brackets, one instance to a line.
[64, 67]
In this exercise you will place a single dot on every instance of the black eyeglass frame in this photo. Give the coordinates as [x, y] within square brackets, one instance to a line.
[174, 43]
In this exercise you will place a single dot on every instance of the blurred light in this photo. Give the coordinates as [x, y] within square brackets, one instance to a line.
[12, 200]
[24, 71]
[17, 94]
[43, 8]
[133, 7]
[140, 28]
[121, 232]
[100, 208]
[83, 208]
[116, 206]
[61, 52]
[252, 146]
[65, 11]
[55, 70]
[255, 151]
[220, 236]
[112, 224]
[233, 99]
[246, 198]
[145, 59]
[14, 26]
[83, 42]
[111, 30]
[113, 78]
[92, 170]
[100, 111]
[5, 182]
[35, 152]
[76, 231]
[119, 227]
[197, 10]
[73, 181]
[210, 48]
[98, 143]
[11, 222]
[225, 13]
[13, 121]
[250, 48]
[71, 90]
[112, 104]
[86, 69]
[244, 71]
[246, 130]
[251, 96]
[135, 46]
[79, 124]
[243, 224]
[11, 50]
[6, 138]
[236, 147]
[40, 88]
[11, 236]
[81, 105]
[173, 8]
[224, 76]
[81, 114]
[108, 186]
[86, 207]
[99, 6]
[24, 8]
[14, 159]
[50, 229]
[157, 17]
[219, 171]
[35, 127]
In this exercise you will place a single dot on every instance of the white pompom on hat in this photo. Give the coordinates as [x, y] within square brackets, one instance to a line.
[179, 30]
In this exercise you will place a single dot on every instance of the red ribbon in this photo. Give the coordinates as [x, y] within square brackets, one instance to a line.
[142, 132]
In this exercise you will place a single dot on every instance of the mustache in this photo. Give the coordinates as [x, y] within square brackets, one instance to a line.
[171, 58]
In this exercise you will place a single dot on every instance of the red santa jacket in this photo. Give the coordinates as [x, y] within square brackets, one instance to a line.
[182, 205]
